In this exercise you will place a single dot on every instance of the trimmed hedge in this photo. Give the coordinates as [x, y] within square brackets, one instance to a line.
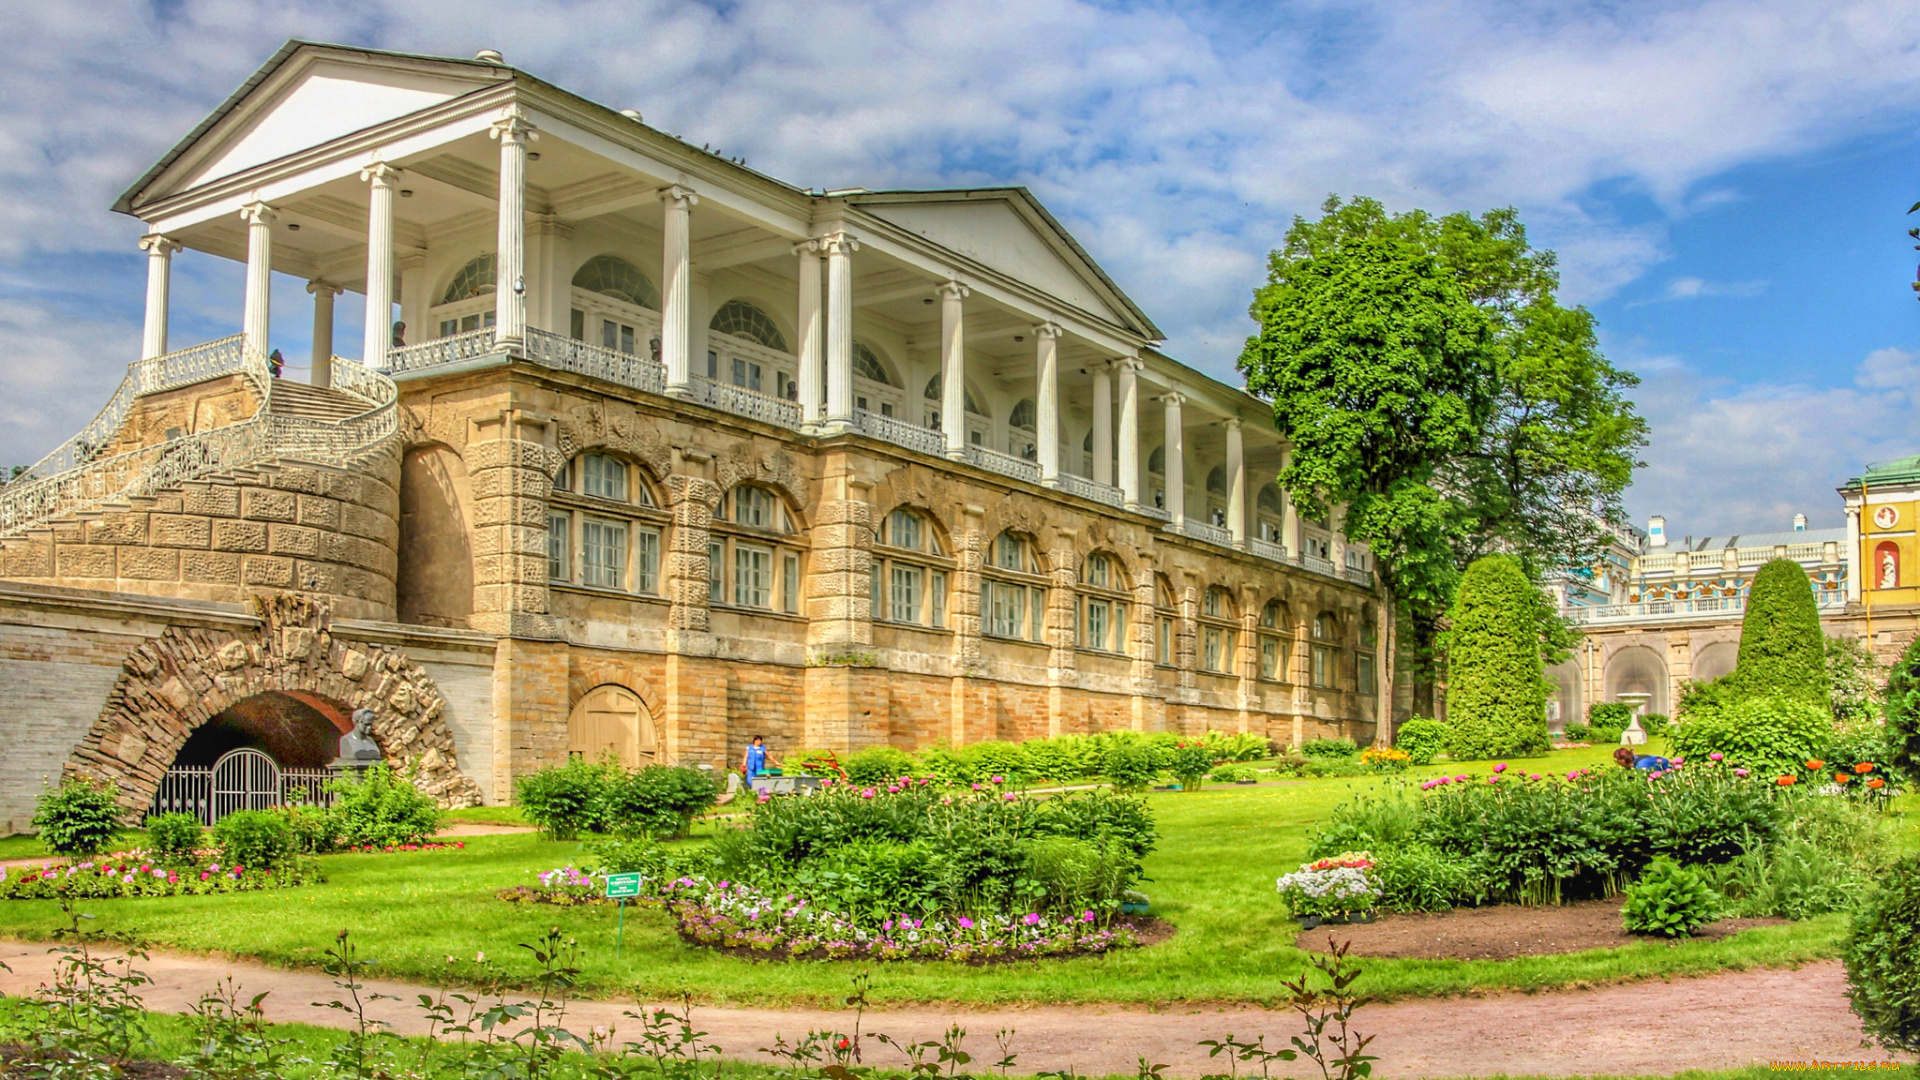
[1903, 711]
[1883, 958]
[1496, 695]
[1422, 737]
[1783, 652]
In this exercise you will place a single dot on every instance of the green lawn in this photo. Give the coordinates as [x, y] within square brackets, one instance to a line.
[1212, 875]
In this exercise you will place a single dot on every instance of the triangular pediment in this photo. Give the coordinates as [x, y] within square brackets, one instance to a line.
[307, 96]
[1006, 231]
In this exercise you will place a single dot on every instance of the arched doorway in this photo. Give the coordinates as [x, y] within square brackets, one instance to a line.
[1715, 661]
[1566, 704]
[1638, 670]
[265, 750]
[612, 720]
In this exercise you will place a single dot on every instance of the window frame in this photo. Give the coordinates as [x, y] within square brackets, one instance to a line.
[1003, 587]
[1219, 633]
[772, 532]
[907, 544]
[572, 515]
[1110, 597]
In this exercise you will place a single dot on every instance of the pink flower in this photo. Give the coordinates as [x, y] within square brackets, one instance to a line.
[1740, 772]
[1502, 767]
[978, 787]
[1462, 778]
[1086, 916]
[999, 779]
[1493, 779]
[1031, 918]
[966, 923]
[1715, 756]
[867, 794]
[893, 789]
[1009, 796]
[203, 875]
[1533, 776]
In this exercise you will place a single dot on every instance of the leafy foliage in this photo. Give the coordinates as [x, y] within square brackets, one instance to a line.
[1129, 767]
[1856, 681]
[381, 807]
[1496, 696]
[1783, 652]
[79, 817]
[1670, 900]
[1329, 748]
[877, 765]
[1422, 738]
[564, 801]
[1575, 731]
[660, 800]
[257, 838]
[1883, 959]
[1770, 735]
[174, 836]
[1189, 764]
[1903, 711]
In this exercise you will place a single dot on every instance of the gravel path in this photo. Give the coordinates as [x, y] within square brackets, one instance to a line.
[1728, 1020]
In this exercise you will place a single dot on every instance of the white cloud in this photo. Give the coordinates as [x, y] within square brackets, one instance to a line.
[1693, 288]
[1728, 459]
[1177, 142]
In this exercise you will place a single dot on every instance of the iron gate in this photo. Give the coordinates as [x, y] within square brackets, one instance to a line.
[244, 780]
[240, 780]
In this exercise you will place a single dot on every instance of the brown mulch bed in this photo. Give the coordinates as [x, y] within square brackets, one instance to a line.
[1501, 932]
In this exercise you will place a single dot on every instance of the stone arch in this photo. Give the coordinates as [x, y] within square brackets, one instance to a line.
[1637, 669]
[652, 481]
[434, 582]
[1567, 702]
[775, 470]
[1715, 660]
[172, 685]
[941, 533]
[588, 676]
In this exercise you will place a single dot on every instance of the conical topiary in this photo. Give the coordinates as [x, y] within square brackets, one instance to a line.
[1782, 649]
[1496, 694]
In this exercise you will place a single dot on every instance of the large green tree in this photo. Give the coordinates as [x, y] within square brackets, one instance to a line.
[1428, 378]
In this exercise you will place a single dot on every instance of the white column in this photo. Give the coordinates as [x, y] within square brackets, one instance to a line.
[812, 356]
[382, 180]
[1047, 422]
[1337, 525]
[1289, 516]
[414, 301]
[1176, 461]
[159, 251]
[1236, 484]
[1130, 432]
[1857, 562]
[676, 284]
[839, 248]
[320, 373]
[514, 131]
[953, 367]
[254, 316]
[1103, 425]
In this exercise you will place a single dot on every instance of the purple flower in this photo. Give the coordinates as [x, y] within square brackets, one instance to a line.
[966, 923]
[1031, 918]
[1086, 916]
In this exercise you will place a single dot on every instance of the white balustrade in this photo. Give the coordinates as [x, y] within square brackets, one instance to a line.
[1359, 576]
[1319, 565]
[1087, 489]
[1266, 550]
[743, 402]
[1005, 464]
[899, 432]
[444, 350]
[594, 361]
[1212, 534]
[1158, 513]
[1704, 607]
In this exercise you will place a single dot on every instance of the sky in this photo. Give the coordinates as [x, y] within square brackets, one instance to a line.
[1725, 182]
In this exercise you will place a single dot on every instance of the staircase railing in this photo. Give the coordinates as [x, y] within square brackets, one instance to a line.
[87, 480]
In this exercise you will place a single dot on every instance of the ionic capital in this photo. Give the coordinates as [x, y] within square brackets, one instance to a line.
[158, 245]
[316, 287]
[805, 248]
[953, 290]
[513, 127]
[681, 198]
[1232, 423]
[1049, 330]
[258, 213]
[1127, 363]
[380, 174]
[1174, 398]
[839, 243]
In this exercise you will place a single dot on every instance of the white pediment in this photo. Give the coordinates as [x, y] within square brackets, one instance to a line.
[993, 233]
[321, 101]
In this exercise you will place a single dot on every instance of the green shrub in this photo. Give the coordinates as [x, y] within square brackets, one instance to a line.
[1613, 714]
[638, 853]
[79, 817]
[1375, 823]
[1789, 879]
[1883, 957]
[1420, 877]
[1654, 723]
[174, 837]
[1606, 734]
[1770, 735]
[1238, 746]
[1783, 652]
[1335, 766]
[380, 807]
[1703, 694]
[1856, 681]
[261, 839]
[1496, 695]
[1577, 732]
[1077, 875]
[1129, 766]
[566, 800]
[878, 765]
[1064, 757]
[1291, 763]
[1330, 748]
[1903, 712]
[1422, 738]
[997, 758]
[946, 765]
[1229, 773]
[661, 800]
[1670, 900]
[1189, 765]
[316, 830]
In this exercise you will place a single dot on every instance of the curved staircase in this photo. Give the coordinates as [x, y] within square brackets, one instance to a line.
[86, 476]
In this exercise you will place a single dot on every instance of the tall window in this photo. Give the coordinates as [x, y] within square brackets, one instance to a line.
[753, 558]
[1157, 475]
[1166, 617]
[1013, 594]
[1218, 633]
[1326, 649]
[1275, 633]
[910, 571]
[468, 302]
[1271, 511]
[1363, 669]
[603, 527]
[1022, 442]
[1103, 604]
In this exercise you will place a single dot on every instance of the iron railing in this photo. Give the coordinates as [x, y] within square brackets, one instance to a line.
[740, 401]
[445, 350]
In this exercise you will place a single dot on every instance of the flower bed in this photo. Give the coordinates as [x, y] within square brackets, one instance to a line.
[1331, 889]
[563, 886]
[377, 849]
[134, 873]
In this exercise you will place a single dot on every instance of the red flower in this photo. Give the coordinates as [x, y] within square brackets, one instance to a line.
[1864, 767]
[1841, 778]
[1876, 782]
[842, 1044]
[1787, 781]
[1816, 763]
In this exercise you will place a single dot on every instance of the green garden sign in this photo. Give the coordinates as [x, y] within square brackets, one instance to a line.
[621, 888]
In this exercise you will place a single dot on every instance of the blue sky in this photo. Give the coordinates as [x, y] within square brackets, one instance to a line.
[1725, 181]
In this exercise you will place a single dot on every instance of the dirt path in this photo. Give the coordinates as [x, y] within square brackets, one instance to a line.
[1651, 1028]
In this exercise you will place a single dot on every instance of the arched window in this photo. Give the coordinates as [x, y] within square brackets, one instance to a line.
[933, 391]
[611, 275]
[1217, 480]
[1103, 602]
[1157, 468]
[1218, 631]
[611, 720]
[868, 365]
[1326, 649]
[603, 527]
[1013, 594]
[910, 571]
[473, 279]
[1157, 461]
[744, 320]
[1022, 415]
[1276, 633]
[1166, 615]
[752, 559]
[1363, 660]
[1021, 441]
